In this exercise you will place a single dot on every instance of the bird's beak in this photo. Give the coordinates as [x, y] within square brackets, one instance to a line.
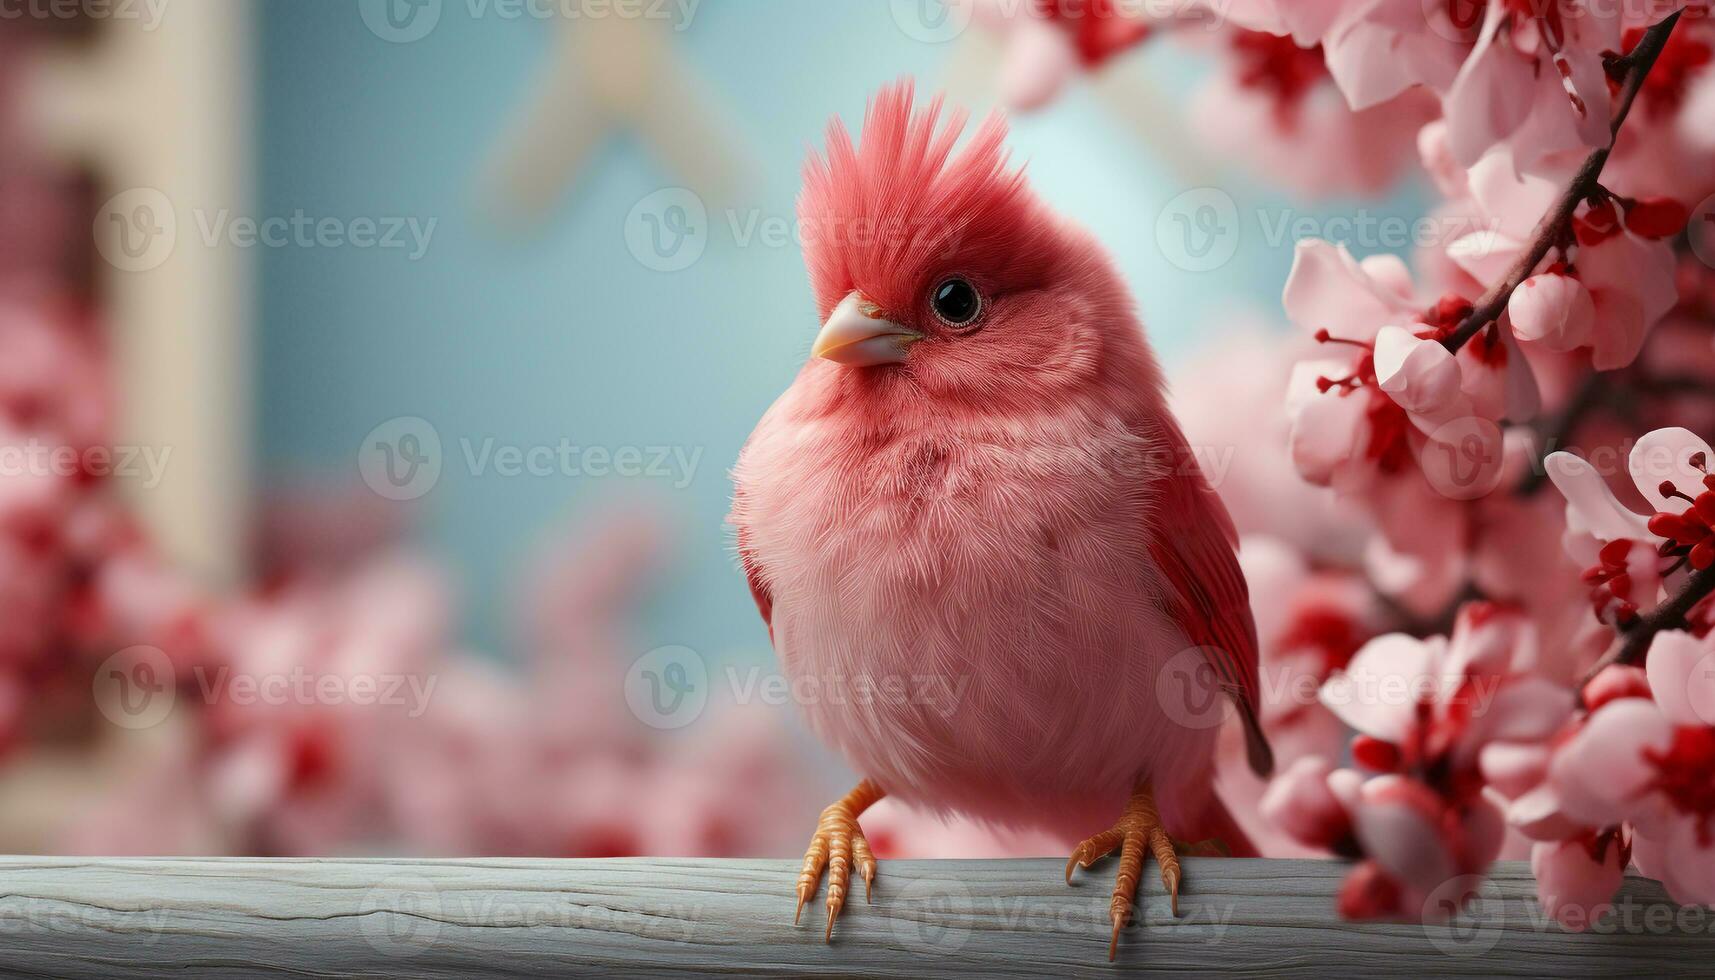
[855, 338]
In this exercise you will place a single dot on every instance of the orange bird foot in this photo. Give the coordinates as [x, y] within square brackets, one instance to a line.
[838, 844]
[1138, 827]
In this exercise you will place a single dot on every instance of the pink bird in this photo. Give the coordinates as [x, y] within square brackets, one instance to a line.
[973, 526]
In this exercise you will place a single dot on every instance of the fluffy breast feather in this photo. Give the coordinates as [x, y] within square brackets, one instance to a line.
[987, 582]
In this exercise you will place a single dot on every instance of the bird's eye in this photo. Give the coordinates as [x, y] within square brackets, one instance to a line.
[956, 302]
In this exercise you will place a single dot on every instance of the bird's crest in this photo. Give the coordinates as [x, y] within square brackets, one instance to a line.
[892, 209]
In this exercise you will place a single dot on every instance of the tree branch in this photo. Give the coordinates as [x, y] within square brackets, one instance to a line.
[1635, 640]
[1553, 226]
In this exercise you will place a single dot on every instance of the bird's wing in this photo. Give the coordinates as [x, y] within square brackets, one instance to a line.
[753, 574]
[1196, 548]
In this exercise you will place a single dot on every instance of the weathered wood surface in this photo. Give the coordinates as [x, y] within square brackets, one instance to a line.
[111, 918]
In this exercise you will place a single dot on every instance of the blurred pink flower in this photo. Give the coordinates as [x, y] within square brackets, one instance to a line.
[1274, 108]
[1650, 763]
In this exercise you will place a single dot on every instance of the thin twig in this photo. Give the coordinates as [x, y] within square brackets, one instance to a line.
[1635, 639]
[1553, 226]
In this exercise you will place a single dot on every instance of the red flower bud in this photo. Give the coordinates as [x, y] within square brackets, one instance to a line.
[1614, 682]
[1657, 217]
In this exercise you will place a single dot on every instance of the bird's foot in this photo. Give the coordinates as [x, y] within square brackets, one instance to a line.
[1138, 827]
[837, 845]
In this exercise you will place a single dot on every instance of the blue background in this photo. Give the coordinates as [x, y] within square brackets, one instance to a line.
[563, 334]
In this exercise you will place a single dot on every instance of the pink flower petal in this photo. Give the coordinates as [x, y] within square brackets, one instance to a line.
[1525, 709]
[1378, 692]
[1571, 885]
[1591, 507]
[1398, 823]
[1481, 106]
[1667, 456]
[1681, 670]
[1421, 376]
[1631, 282]
[1540, 815]
[1300, 803]
[1601, 773]
[1553, 309]
[1681, 860]
[1328, 290]
[1513, 769]
[1038, 61]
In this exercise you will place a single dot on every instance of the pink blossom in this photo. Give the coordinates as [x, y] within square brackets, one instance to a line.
[1045, 42]
[1650, 764]
[1554, 309]
[1276, 111]
[1638, 555]
[1576, 878]
[1300, 802]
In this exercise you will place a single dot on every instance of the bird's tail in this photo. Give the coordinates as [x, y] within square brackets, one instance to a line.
[1216, 823]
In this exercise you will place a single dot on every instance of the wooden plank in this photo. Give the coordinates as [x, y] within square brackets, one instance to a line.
[112, 918]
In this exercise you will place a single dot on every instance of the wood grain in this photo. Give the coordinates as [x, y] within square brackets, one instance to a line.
[114, 918]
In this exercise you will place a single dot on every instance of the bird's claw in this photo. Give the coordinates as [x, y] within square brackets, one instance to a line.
[1138, 827]
[836, 846]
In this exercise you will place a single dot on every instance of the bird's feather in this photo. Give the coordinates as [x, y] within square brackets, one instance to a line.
[1195, 549]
